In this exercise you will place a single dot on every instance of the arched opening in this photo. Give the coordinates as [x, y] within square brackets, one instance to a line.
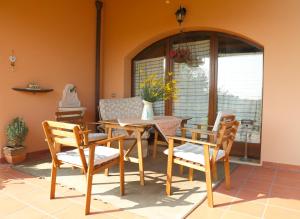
[214, 72]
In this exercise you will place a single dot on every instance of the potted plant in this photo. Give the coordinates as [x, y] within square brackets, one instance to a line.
[16, 133]
[154, 88]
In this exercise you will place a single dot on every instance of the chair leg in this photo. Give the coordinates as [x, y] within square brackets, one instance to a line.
[209, 188]
[181, 169]
[208, 177]
[214, 172]
[169, 169]
[170, 166]
[169, 176]
[53, 181]
[88, 193]
[227, 173]
[191, 174]
[121, 167]
[109, 135]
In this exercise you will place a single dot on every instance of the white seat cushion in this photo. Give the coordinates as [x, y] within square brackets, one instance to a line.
[96, 136]
[102, 154]
[193, 152]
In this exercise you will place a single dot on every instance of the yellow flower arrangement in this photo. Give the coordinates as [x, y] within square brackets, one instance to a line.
[154, 88]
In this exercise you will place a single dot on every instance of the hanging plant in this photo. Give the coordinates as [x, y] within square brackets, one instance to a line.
[181, 55]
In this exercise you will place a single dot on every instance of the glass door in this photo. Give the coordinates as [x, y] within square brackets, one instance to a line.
[239, 91]
[192, 78]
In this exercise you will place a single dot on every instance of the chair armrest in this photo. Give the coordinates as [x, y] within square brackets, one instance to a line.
[192, 141]
[199, 131]
[99, 127]
[204, 125]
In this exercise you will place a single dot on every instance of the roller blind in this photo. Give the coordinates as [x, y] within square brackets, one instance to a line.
[145, 67]
[193, 84]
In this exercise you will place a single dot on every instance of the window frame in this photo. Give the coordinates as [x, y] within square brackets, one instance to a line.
[166, 45]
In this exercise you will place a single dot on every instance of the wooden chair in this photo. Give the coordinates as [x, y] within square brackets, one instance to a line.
[209, 130]
[90, 157]
[76, 117]
[207, 133]
[202, 155]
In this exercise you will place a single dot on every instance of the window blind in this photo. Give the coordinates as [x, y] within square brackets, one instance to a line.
[142, 69]
[193, 84]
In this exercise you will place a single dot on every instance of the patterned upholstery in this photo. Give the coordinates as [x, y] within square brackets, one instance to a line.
[193, 152]
[121, 108]
[96, 136]
[124, 108]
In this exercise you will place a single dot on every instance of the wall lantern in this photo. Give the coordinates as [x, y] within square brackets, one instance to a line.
[180, 14]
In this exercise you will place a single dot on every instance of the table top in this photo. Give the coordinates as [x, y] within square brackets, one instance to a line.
[139, 122]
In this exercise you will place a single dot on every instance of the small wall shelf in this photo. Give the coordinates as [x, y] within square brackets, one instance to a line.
[41, 90]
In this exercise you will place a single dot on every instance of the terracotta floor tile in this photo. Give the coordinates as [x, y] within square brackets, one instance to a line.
[261, 178]
[247, 198]
[26, 213]
[285, 198]
[50, 206]
[237, 215]
[252, 195]
[251, 208]
[232, 191]
[288, 174]
[280, 213]
[287, 181]
[75, 211]
[261, 186]
[221, 202]
[205, 212]
[9, 205]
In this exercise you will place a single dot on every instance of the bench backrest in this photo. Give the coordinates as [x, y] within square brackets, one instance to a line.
[124, 108]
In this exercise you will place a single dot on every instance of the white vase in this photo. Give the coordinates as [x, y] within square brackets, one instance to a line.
[147, 110]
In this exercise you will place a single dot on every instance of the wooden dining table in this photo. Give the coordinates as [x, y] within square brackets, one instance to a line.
[138, 128]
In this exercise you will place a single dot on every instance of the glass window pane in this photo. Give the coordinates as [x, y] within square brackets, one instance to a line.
[193, 83]
[145, 67]
[240, 77]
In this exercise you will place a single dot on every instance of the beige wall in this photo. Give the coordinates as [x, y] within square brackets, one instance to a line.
[54, 42]
[131, 25]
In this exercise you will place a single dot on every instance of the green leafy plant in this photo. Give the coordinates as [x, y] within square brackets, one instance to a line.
[154, 88]
[16, 132]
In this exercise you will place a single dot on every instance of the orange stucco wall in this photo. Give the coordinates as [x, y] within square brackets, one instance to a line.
[54, 41]
[131, 25]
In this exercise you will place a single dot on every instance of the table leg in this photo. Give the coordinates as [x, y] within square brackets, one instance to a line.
[140, 156]
[155, 144]
[109, 135]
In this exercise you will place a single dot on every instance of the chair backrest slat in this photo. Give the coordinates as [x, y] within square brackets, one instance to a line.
[61, 125]
[69, 142]
[65, 134]
[62, 133]
[226, 134]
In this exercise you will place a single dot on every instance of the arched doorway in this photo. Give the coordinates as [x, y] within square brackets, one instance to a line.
[214, 72]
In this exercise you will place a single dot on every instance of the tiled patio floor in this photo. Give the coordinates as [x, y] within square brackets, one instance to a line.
[257, 192]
